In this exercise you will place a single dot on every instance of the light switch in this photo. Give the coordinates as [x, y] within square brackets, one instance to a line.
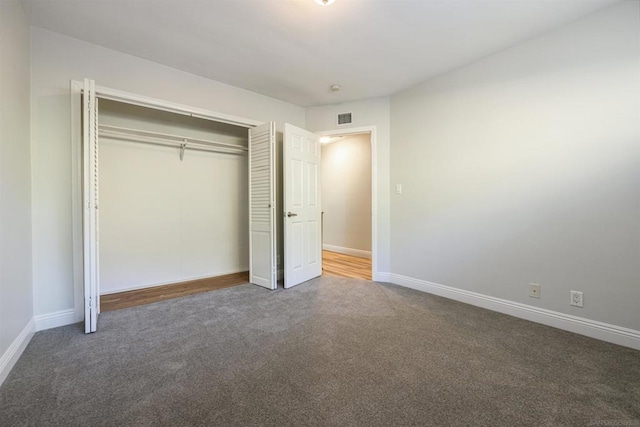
[398, 188]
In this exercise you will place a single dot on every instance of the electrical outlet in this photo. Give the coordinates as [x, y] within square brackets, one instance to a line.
[576, 298]
[534, 290]
[398, 188]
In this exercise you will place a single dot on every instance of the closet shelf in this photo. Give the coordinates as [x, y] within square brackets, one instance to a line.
[167, 139]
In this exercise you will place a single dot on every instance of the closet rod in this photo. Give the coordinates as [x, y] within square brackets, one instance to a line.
[167, 143]
[175, 138]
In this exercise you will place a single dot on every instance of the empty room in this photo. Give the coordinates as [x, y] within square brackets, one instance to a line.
[320, 212]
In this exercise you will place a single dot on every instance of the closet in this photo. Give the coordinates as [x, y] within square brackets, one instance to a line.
[167, 193]
[173, 198]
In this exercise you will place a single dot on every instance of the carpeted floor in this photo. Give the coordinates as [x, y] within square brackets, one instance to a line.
[333, 351]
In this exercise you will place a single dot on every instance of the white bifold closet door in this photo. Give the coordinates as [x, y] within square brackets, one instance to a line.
[90, 205]
[262, 206]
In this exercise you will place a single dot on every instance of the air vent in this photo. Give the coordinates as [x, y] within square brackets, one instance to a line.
[344, 119]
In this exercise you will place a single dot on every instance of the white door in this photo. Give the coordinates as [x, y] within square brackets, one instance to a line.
[302, 206]
[90, 205]
[262, 206]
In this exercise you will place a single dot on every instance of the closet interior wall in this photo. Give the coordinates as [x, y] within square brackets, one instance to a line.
[166, 220]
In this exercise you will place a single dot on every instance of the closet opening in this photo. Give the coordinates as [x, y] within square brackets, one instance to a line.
[173, 205]
[168, 224]
[347, 198]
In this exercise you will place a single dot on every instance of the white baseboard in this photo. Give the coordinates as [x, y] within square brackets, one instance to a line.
[55, 319]
[382, 277]
[13, 353]
[579, 325]
[347, 251]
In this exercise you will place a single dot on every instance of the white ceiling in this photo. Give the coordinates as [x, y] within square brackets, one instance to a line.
[295, 50]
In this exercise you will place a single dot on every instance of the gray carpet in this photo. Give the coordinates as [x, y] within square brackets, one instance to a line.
[335, 352]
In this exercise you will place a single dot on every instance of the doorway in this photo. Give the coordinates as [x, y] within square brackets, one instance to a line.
[347, 205]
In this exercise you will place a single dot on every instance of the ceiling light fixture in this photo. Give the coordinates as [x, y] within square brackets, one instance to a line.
[330, 139]
[335, 88]
[325, 2]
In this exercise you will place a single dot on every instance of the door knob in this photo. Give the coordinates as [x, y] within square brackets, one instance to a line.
[290, 214]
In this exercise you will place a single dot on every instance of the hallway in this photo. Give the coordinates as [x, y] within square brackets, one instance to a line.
[335, 264]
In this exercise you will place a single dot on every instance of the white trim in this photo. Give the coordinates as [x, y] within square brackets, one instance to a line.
[55, 319]
[76, 199]
[347, 251]
[372, 130]
[382, 276]
[13, 353]
[172, 107]
[579, 325]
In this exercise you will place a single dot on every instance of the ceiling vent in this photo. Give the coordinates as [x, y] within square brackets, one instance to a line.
[344, 119]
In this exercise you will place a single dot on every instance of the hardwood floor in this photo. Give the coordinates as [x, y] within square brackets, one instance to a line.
[137, 297]
[335, 264]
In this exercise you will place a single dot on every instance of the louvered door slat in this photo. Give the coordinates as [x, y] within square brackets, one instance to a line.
[262, 199]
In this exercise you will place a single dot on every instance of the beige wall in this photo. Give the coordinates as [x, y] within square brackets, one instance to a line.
[346, 195]
[16, 293]
[525, 167]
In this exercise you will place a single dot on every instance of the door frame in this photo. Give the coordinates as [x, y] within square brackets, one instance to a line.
[102, 92]
[372, 131]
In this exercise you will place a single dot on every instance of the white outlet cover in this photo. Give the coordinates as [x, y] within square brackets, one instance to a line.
[534, 290]
[576, 299]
